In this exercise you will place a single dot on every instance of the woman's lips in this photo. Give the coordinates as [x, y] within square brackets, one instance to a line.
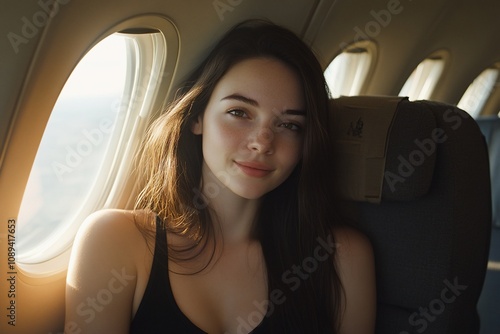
[254, 169]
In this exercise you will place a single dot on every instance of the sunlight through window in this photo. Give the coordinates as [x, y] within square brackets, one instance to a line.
[421, 83]
[478, 92]
[73, 147]
[347, 73]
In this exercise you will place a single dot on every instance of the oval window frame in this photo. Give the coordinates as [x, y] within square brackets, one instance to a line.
[432, 79]
[469, 97]
[368, 46]
[117, 191]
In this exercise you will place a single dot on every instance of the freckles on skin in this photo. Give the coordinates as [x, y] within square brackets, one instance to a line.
[258, 120]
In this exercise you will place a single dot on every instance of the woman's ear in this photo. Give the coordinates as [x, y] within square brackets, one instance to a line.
[197, 126]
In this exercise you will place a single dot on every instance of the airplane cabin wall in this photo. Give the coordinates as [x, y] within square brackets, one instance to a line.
[33, 73]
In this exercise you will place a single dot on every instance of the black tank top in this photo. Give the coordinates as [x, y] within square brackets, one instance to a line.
[158, 311]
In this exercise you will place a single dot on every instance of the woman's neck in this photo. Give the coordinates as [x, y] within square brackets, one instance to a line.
[233, 216]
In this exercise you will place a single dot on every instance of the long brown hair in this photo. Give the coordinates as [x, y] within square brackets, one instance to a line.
[294, 217]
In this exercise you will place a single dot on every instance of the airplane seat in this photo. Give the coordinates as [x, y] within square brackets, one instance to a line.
[414, 177]
[490, 126]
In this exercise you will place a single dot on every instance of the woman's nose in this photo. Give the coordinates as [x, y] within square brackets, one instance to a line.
[262, 141]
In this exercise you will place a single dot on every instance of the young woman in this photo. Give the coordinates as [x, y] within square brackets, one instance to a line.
[234, 230]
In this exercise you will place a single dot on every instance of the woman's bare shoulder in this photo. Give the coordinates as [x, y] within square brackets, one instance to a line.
[351, 242]
[354, 254]
[108, 255]
[116, 223]
[356, 266]
[114, 233]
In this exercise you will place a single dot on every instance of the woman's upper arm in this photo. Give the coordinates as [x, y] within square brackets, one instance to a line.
[356, 266]
[101, 276]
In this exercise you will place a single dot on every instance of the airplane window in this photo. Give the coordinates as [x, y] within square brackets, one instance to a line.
[423, 80]
[478, 92]
[85, 142]
[347, 73]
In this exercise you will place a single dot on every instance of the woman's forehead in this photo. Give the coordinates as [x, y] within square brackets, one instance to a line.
[262, 81]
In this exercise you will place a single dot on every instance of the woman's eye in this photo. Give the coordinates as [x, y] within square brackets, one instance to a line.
[291, 126]
[237, 113]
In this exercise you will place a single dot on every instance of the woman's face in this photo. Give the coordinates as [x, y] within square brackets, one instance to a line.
[253, 127]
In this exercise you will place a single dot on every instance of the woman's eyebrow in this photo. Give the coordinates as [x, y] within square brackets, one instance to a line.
[241, 98]
[254, 103]
[295, 112]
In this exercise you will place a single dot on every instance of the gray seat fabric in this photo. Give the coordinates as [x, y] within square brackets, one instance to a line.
[430, 227]
[490, 126]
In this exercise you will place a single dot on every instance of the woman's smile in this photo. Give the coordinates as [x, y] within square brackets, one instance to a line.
[254, 169]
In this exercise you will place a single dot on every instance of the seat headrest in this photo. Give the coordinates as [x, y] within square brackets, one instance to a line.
[383, 148]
